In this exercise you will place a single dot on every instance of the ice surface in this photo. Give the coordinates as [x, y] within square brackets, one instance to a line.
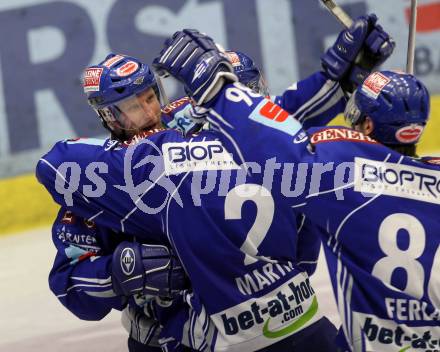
[31, 318]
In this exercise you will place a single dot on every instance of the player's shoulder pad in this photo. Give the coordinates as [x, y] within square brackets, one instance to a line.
[337, 134]
[175, 105]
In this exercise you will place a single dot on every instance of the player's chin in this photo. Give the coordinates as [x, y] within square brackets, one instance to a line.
[131, 131]
[134, 130]
[152, 124]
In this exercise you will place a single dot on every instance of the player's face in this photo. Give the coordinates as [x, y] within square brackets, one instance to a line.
[140, 112]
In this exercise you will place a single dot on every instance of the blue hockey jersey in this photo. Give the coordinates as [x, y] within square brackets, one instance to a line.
[381, 240]
[74, 262]
[247, 293]
[316, 100]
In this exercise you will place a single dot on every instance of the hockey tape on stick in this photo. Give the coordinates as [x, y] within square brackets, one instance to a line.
[338, 12]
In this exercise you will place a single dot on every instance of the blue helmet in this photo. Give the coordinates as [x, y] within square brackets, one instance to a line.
[397, 103]
[247, 72]
[112, 80]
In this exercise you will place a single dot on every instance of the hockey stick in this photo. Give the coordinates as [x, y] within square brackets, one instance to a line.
[346, 21]
[412, 38]
[338, 12]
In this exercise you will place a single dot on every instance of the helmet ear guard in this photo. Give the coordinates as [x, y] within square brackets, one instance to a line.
[258, 85]
[110, 122]
[107, 116]
[352, 113]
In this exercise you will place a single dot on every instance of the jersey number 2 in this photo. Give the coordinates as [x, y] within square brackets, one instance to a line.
[265, 204]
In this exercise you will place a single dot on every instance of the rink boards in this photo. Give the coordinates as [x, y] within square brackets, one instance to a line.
[25, 204]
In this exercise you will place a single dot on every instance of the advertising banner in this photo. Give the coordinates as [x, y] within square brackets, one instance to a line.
[45, 45]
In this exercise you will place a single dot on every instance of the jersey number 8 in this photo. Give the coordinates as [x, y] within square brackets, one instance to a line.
[407, 258]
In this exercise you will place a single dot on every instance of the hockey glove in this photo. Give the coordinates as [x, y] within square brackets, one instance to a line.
[357, 51]
[147, 269]
[194, 59]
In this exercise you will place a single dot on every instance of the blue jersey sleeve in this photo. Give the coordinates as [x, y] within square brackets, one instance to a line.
[314, 101]
[81, 274]
[106, 181]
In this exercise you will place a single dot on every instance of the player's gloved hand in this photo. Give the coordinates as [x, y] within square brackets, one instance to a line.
[147, 269]
[357, 51]
[197, 114]
[194, 59]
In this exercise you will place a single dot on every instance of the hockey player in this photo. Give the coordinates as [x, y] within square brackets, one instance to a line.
[181, 115]
[81, 275]
[256, 298]
[127, 102]
[393, 109]
[81, 278]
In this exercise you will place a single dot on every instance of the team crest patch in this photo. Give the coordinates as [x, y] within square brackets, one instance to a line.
[110, 62]
[127, 69]
[374, 84]
[91, 79]
[409, 134]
